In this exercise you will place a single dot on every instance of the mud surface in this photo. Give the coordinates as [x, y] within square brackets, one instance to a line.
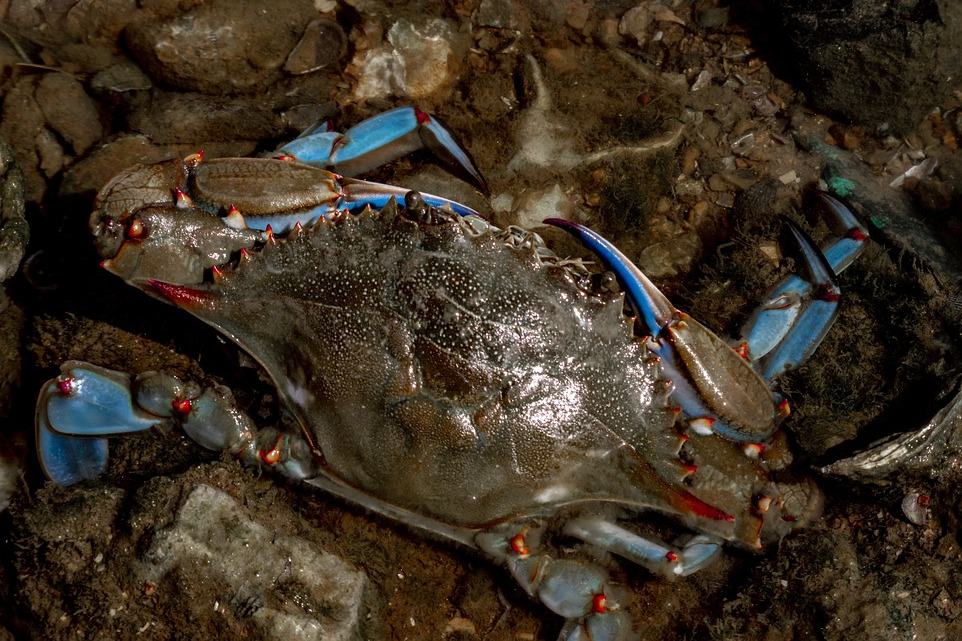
[663, 126]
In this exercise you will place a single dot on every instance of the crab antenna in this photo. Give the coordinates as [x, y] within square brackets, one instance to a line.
[646, 299]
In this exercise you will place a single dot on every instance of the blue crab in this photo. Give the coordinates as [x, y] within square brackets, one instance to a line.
[452, 375]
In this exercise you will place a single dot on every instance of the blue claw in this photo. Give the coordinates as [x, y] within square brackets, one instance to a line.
[66, 459]
[85, 401]
[776, 318]
[702, 367]
[384, 138]
[817, 312]
[649, 303]
[843, 252]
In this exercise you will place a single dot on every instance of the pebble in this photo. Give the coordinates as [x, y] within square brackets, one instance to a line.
[191, 117]
[417, 60]
[220, 46]
[69, 111]
[323, 43]
[120, 78]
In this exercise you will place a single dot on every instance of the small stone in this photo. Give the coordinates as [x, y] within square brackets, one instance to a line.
[788, 178]
[536, 205]
[417, 61]
[69, 111]
[712, 17]
[744, 144]
[461, 625]
[120, 78]
[577, 15]
[501, 14]
[221, 46]
[703, 80]
[636, 23]
[192, 117]
[50, 153]
[671, 257]
[323, 43]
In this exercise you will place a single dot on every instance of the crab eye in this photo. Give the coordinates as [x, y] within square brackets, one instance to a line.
[136, 229]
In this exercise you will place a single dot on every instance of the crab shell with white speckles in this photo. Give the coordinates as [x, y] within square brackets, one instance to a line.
[445, 367]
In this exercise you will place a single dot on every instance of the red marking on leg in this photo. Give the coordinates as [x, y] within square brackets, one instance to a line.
[65, 385]
[784, 409]
[421, 117]
[857, 234]
[181, 406]
[742, 350]
[518, 545]
[273, 455]
[599, 603]
[827, 294]
[691, 504]
[671, 556]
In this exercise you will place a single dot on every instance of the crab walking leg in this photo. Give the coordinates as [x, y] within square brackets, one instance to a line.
[381, 139]
[717, 389]
[353, 196]
[568, 587]
[782, 313]
[653, 555]
[86, 403]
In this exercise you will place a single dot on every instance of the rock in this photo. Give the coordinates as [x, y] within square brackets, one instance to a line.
[323, 43]
[871, 63]
[21, 125]
[92, 21]
[220, 46]
[14, 231]
[417, 60]
[186, 117]
[70, 111]
[290, 589]
[671, 257]
[120, 78]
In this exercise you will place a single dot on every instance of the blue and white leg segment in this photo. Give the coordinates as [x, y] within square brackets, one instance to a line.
[381, 139]
[75, 412]
[569, 587]
[786, 329]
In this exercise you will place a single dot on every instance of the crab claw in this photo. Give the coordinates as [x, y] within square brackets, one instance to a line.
[89, 402]
[384, 138]
[797, 314]
[817, 313]
[709, 379]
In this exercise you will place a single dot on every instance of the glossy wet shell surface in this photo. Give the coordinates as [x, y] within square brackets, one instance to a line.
[443, 371]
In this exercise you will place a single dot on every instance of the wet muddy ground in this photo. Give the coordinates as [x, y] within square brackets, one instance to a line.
[670, 128]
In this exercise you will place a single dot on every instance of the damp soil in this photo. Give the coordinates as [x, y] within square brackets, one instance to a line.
[690, 174]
